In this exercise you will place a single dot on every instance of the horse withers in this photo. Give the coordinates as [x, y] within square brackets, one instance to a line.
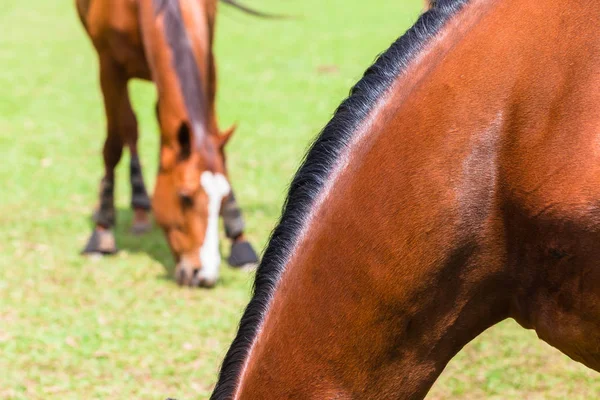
[170, 43]
[457, 186]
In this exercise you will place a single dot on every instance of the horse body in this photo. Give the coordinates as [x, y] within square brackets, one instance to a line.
[468, 192]
[169, 43]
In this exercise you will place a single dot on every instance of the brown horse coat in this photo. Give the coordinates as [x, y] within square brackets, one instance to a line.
[458, 185]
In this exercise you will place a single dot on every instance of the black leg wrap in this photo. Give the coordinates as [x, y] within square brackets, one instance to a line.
[242, 254]
[232, 217]
[139, 196]
[105, 215]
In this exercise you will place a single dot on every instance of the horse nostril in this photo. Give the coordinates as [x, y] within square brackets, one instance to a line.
[181, 276]
[186, 200]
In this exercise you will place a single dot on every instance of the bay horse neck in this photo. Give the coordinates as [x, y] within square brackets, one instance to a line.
[309, 247]
[373, 281]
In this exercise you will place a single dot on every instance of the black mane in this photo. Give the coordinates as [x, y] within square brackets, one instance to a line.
[185, 66]
[314, 172]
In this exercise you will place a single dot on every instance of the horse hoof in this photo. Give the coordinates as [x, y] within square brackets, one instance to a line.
[139, 228]
[101, 242]
[242, 255]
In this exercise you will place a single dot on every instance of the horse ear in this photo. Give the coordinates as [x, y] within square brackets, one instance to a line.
[184, 138]
[226, 135]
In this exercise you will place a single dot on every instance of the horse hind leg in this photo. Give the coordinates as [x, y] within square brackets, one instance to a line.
[127, 126]
[140, 202]
[119, 117]
[242, 253]
[102, 240]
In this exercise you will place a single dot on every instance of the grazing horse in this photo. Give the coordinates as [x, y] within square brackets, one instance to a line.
[457, 186]
[169, 42]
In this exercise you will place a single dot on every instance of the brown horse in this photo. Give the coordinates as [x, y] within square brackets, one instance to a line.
[169, 42]
[457, 186]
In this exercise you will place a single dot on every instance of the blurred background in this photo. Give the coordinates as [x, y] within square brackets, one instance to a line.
[73, 327]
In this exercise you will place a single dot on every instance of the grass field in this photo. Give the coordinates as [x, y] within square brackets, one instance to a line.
[76, 328]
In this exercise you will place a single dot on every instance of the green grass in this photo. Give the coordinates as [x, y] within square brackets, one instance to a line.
[75, 328]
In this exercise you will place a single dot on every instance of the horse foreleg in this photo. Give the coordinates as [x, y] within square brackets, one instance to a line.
[242, 253]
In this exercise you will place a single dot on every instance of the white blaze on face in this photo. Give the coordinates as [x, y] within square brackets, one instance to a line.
[216, 187]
